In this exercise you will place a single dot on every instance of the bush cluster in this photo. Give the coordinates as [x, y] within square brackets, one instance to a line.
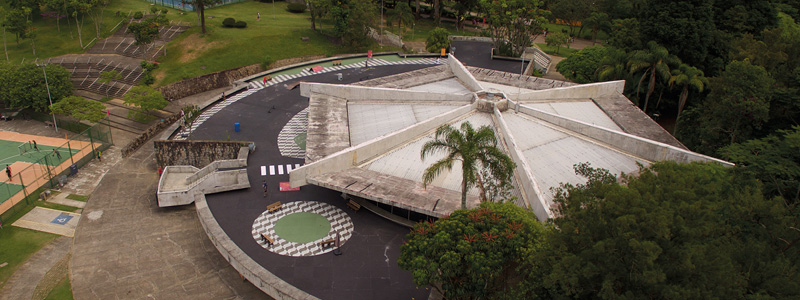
[296, 7]
[232, 23]
[138, 15]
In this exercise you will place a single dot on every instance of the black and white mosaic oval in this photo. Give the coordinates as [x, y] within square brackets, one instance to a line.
[265, 223]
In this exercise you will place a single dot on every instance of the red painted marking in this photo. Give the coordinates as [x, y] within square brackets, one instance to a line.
[317, 68]
[286, 187]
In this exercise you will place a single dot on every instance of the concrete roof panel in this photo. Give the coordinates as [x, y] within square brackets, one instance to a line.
[368, 121]
[451, 85]
[586, 111]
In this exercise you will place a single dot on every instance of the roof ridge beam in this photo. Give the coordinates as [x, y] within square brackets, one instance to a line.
[530, 188]
[463, 74]
[583, 91]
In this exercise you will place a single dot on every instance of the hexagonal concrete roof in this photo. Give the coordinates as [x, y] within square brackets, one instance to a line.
[365, 139]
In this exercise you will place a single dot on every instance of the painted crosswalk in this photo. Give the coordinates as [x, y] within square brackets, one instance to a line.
[278, 169]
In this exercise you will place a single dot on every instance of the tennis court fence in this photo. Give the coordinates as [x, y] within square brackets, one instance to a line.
[50, 169]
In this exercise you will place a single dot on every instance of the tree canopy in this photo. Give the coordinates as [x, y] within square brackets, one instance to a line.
[581, 66]
[146, 98]
[675, 231]
[80, 108]
[25, 85]
[475, 253]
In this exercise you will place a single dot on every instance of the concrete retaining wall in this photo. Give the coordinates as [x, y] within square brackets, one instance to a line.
[583, 91]
[354, 156]
[207, 82]
[470, 38]
[530, 190]
[260, 277]
[196, 153]
[640, 147]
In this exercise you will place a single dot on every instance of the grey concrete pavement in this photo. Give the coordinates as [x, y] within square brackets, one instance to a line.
[128, 248]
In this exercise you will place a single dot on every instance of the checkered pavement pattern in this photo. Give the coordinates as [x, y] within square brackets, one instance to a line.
[265, 223]
[297, 125]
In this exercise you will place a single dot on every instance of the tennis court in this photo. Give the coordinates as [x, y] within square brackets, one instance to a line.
[34, 165]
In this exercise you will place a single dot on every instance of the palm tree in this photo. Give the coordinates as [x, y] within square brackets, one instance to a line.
[598, 21]
[476, 150]
[403, 15]
[687, 76]
[613, 65]
[655, 61]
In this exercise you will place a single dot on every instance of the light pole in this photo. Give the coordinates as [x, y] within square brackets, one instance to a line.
[521, 68]
[44, 69]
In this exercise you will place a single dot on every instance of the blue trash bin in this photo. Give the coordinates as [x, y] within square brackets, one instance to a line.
[236, 127]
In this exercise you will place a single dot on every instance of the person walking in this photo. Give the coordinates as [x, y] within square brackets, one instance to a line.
[8, 172]
[258, 16]
[99, 156]
[35, 146]
[57, 154]
[265, 188]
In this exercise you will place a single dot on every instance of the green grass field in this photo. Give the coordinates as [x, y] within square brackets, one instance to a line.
[62, 291]
[17, 245]
[562, 51]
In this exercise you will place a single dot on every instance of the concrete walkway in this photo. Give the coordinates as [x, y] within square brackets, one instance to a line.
[22, 284]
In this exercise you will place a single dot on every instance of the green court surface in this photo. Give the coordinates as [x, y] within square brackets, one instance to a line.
[7, 190]
[302, 227]
[9, 153]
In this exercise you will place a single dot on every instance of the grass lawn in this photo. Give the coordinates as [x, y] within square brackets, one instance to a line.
[17, 245]
[273, 38]
[62, 291]
[562, 51]
[77, 197]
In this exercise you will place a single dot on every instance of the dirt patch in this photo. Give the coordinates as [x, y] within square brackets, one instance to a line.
[194, 46]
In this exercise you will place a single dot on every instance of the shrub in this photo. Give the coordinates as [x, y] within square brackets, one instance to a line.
[153, 9]
[240, 24]
[266, 62]
[437, 40]
[229, 22]
[148, 79]
[296, 7]
[164, 11]
[138, 15]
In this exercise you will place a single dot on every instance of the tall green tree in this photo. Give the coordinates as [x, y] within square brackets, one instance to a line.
[571, 11]
[614, 65]
[581, 66]
[685, 77]
[17, 21]
[352, 21]
[146, 31]
[200, 7]
[734, 111]
[597, 21]
[775, 160]
[654, 61]
[514, 23]
[475, 253]
[674, 231]
[26, 86]
[145, 98]
[438, 39]
[402, 15]
[473, 150]
[625, 34]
